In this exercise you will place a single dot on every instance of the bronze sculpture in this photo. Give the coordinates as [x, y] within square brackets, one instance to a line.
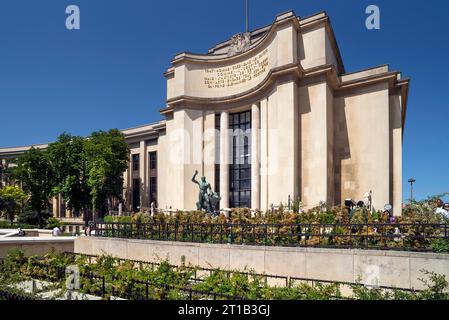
[207, 199]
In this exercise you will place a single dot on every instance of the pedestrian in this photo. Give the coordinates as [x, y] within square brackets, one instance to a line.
[446, 208]
[56, 232]
[441, 209]
[152, 208]
[21, 233]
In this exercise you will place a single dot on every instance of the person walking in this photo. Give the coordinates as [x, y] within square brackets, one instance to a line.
[56, 232]
[441, 209]
[446, 208]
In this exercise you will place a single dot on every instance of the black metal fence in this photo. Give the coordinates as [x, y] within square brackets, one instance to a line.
[8, 295]
[112, 286]
[411, 237]
[286, 281]
[198, 273]
[116, 286]
[133, 289]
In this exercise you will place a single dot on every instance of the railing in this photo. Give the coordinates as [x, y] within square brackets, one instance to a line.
[73, 227]
[198, 272]
[287, 281]
[410, 237]
[135, 289]
[102, 286]
[8, 295]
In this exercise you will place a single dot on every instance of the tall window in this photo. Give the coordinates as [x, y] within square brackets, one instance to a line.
[136, 194]
[136, 160]
[217, 153]
[152, 159]
[240, 169]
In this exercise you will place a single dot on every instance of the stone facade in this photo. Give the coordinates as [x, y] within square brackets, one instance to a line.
[316, 132]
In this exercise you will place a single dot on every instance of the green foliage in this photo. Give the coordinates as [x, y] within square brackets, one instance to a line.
[360, 216]
[119, 219]
[107, 155]
[10, 268]
[376, 216]
[53, 223]
[421, 212]
[440, 246]
[437, 287]
[361, 292]
[8, 225]
[69, 164]
[123, 278]
[108, 219]
[35, 172]
[29, 216]
[234, 284]
[89, 171]
[327, 217]
[320, 291]
[12, 202]
[322, 225]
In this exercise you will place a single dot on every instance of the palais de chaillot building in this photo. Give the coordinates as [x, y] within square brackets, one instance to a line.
[267, 117]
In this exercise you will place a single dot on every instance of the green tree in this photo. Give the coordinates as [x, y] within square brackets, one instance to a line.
[35, 172]
[89, 171]
[69, 165]
[107, 155]
[12, 199]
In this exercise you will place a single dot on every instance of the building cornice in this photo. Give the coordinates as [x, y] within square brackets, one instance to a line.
[16, 151]
[143, 132]
[264, 85]
[280, 20]
[337, 83]
[288, 17]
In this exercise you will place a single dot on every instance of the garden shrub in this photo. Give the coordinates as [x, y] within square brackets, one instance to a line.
[284, 227]
[123, 279]
[8, 225]
[53, 222]
[440, 246]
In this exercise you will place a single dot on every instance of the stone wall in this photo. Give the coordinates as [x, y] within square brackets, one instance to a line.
[36, 245]
[396, 269]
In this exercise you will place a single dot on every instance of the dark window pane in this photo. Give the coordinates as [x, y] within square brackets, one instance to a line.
[135, 162]
[241, 167]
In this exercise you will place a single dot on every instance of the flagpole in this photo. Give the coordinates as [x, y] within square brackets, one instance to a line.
[247, 16]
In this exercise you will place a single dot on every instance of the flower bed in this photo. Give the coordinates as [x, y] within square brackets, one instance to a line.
[419, 229]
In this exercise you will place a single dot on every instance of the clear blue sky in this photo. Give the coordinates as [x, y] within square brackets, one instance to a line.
[109, 73]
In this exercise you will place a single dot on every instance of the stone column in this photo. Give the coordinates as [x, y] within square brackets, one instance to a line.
[396, 153]
[142, 173]
[224, 159]
[56, 207]
[129, 194]
[263, 152]
[255, 157]
[60, 213]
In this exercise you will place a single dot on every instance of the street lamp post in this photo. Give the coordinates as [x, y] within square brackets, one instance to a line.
[411, 181]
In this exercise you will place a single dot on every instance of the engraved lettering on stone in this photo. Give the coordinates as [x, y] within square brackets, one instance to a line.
[237, 74]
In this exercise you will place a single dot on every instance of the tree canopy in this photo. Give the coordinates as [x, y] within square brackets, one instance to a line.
[86, 172]
[11, 201]
[35, 172]
[107, 157]
[68, 160]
